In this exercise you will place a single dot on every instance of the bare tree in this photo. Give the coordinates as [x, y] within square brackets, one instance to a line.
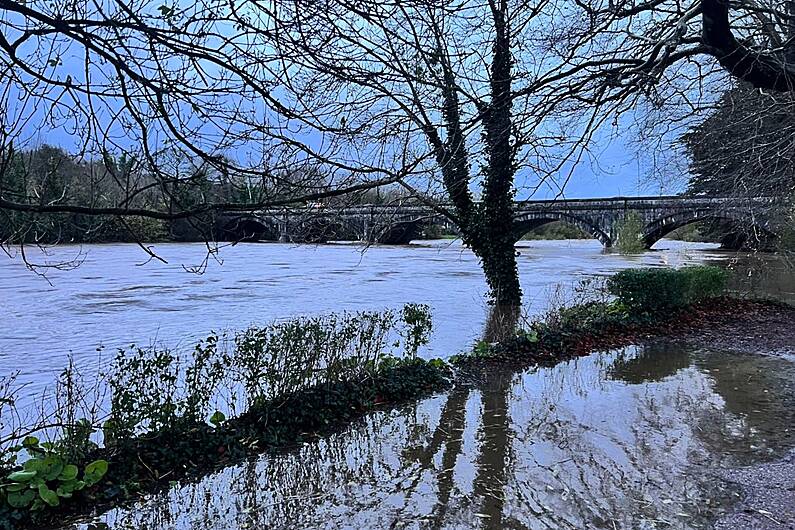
[466, 87]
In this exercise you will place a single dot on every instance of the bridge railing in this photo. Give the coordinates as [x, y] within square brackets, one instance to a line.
[608, 203]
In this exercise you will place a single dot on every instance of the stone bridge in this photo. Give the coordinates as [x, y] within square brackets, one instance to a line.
[601, 218]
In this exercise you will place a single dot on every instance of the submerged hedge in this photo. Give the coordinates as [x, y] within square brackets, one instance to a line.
[631, 303]
[293, 380]
[153, 460]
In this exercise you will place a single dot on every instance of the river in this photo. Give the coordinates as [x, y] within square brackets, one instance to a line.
[116, 296]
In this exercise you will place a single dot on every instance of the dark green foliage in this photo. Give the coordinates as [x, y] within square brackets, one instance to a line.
[418, 327]
[589, 315]
[653, 290]
[630, 234]
[46, 477]
[644, 299]
[155, 458]
[750, 134]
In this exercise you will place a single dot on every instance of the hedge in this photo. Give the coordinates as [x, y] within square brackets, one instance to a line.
[652, 290]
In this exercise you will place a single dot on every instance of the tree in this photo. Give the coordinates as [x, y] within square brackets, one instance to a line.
[746, 147]
[439, 79]
[499, 89]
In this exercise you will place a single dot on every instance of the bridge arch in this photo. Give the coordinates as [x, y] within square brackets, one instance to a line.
[251, 228]
[659, 228]
[528, 221]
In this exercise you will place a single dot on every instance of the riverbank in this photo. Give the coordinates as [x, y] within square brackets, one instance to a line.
[571, 433]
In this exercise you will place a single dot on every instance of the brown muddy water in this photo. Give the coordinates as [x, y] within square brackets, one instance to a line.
[631, 439]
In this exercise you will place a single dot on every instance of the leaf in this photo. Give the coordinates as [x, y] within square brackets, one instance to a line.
[69, 473]
[48, 496]
[64, 490]
[30, 441]
[95, 471]
[52, 466]
[21, 499]
[22, 476]
[217, 418]
[34, 464]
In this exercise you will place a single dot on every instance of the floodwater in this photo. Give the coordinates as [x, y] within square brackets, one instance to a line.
[115, 297]
[632, 439]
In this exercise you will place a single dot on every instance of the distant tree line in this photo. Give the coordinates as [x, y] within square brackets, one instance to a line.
[49, 175]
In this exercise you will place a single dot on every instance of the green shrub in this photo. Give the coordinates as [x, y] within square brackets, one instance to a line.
[630, 234]
[653, 290]
[705, 282]
[46, 477]
[417, 327]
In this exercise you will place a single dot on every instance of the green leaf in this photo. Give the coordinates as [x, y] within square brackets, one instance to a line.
[64, 491]
[52, 467]
[217, 418]
[21, 499]
[48, 496]
[30, 441]
[22, 476]
[95, 471]
[69, 473]
[34, 464]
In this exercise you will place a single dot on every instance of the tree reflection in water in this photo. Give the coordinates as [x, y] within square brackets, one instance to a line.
[629, 439]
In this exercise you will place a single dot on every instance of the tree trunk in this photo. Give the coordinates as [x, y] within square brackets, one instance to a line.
[486, 226]
[498, 254]
[498, 258]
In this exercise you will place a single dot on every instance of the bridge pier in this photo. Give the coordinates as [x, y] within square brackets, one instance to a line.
[284, 234]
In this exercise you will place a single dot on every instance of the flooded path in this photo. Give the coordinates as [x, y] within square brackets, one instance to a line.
[633, 439]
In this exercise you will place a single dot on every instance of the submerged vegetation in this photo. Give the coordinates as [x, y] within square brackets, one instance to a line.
[630, 234]
[607, 314]
[279, 384]
[651, 290]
